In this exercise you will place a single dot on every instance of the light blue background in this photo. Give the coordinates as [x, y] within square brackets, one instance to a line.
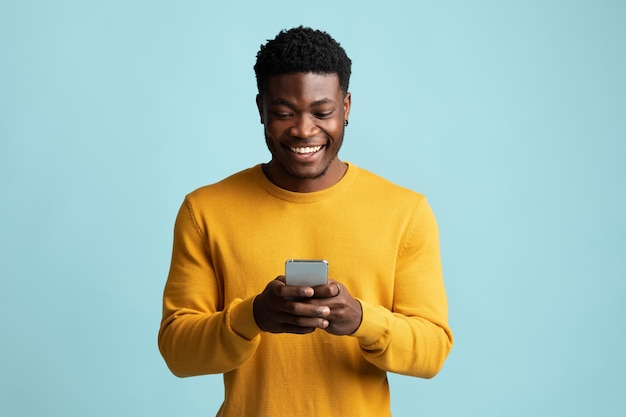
[509, 115]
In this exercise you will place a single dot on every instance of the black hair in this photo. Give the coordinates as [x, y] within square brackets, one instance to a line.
[302, 49]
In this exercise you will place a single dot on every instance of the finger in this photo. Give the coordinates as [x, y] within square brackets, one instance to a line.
[303, 315]
[306, 310]
[338, 285]
[306, 323]
[276, 286]
[296, 292]
[332, 289]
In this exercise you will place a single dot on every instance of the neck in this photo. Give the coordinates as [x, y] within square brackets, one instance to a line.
[333, 174]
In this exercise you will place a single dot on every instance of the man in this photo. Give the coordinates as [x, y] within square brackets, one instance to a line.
[296, 350]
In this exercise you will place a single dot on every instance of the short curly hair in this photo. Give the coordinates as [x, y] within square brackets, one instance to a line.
[302, 49]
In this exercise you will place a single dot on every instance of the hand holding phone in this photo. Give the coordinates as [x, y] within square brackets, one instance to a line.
[272, 308]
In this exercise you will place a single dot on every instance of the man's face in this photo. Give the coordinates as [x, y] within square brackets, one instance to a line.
[304, 115]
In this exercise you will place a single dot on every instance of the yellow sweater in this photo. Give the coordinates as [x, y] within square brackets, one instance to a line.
[233, 237]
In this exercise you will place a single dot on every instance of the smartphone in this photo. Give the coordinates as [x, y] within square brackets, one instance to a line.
[306, 272]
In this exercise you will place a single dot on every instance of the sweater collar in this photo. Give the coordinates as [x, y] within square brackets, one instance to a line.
[339, 188]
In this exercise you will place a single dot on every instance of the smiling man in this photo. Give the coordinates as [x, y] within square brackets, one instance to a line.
[289, 350]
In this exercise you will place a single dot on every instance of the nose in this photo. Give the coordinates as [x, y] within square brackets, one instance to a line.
[304, 127]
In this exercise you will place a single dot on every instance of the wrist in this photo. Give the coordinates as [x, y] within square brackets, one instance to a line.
[360, 320]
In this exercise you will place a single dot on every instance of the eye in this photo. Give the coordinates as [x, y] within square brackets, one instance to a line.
[281, 115]
[324, 115]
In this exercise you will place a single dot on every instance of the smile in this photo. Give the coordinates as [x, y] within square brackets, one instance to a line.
[306, 149]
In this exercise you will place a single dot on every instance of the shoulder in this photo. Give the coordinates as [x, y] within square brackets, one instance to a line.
[226, 192]
[237, 183]
[374, 186]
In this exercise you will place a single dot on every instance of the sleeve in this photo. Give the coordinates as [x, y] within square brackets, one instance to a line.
[413, 338]
[198, 335]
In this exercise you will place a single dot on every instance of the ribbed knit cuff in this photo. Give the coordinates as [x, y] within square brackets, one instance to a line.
[374, 325]
[242, 320]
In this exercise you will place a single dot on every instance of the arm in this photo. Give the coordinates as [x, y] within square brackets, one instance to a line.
[198, 335]
[413, 338]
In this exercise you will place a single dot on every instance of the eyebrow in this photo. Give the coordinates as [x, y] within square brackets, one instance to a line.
[291, 105]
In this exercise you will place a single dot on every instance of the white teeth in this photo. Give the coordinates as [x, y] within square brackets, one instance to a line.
[308, 149]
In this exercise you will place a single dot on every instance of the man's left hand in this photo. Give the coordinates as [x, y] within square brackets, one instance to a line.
[345, 311]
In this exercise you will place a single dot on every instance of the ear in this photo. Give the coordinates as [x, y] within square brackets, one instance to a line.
[347, 102]
[259, 106]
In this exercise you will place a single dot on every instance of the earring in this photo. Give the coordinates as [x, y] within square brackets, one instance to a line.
[345, 123]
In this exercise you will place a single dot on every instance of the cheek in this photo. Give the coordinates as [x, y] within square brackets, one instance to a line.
[270, 141]
[336, 131]
[273, 129]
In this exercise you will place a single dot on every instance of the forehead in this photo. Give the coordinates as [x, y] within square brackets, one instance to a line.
[303, 86]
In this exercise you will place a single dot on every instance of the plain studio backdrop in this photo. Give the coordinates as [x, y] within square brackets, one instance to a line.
[509, 115]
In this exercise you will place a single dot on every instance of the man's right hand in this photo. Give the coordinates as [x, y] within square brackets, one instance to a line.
[275, 312]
